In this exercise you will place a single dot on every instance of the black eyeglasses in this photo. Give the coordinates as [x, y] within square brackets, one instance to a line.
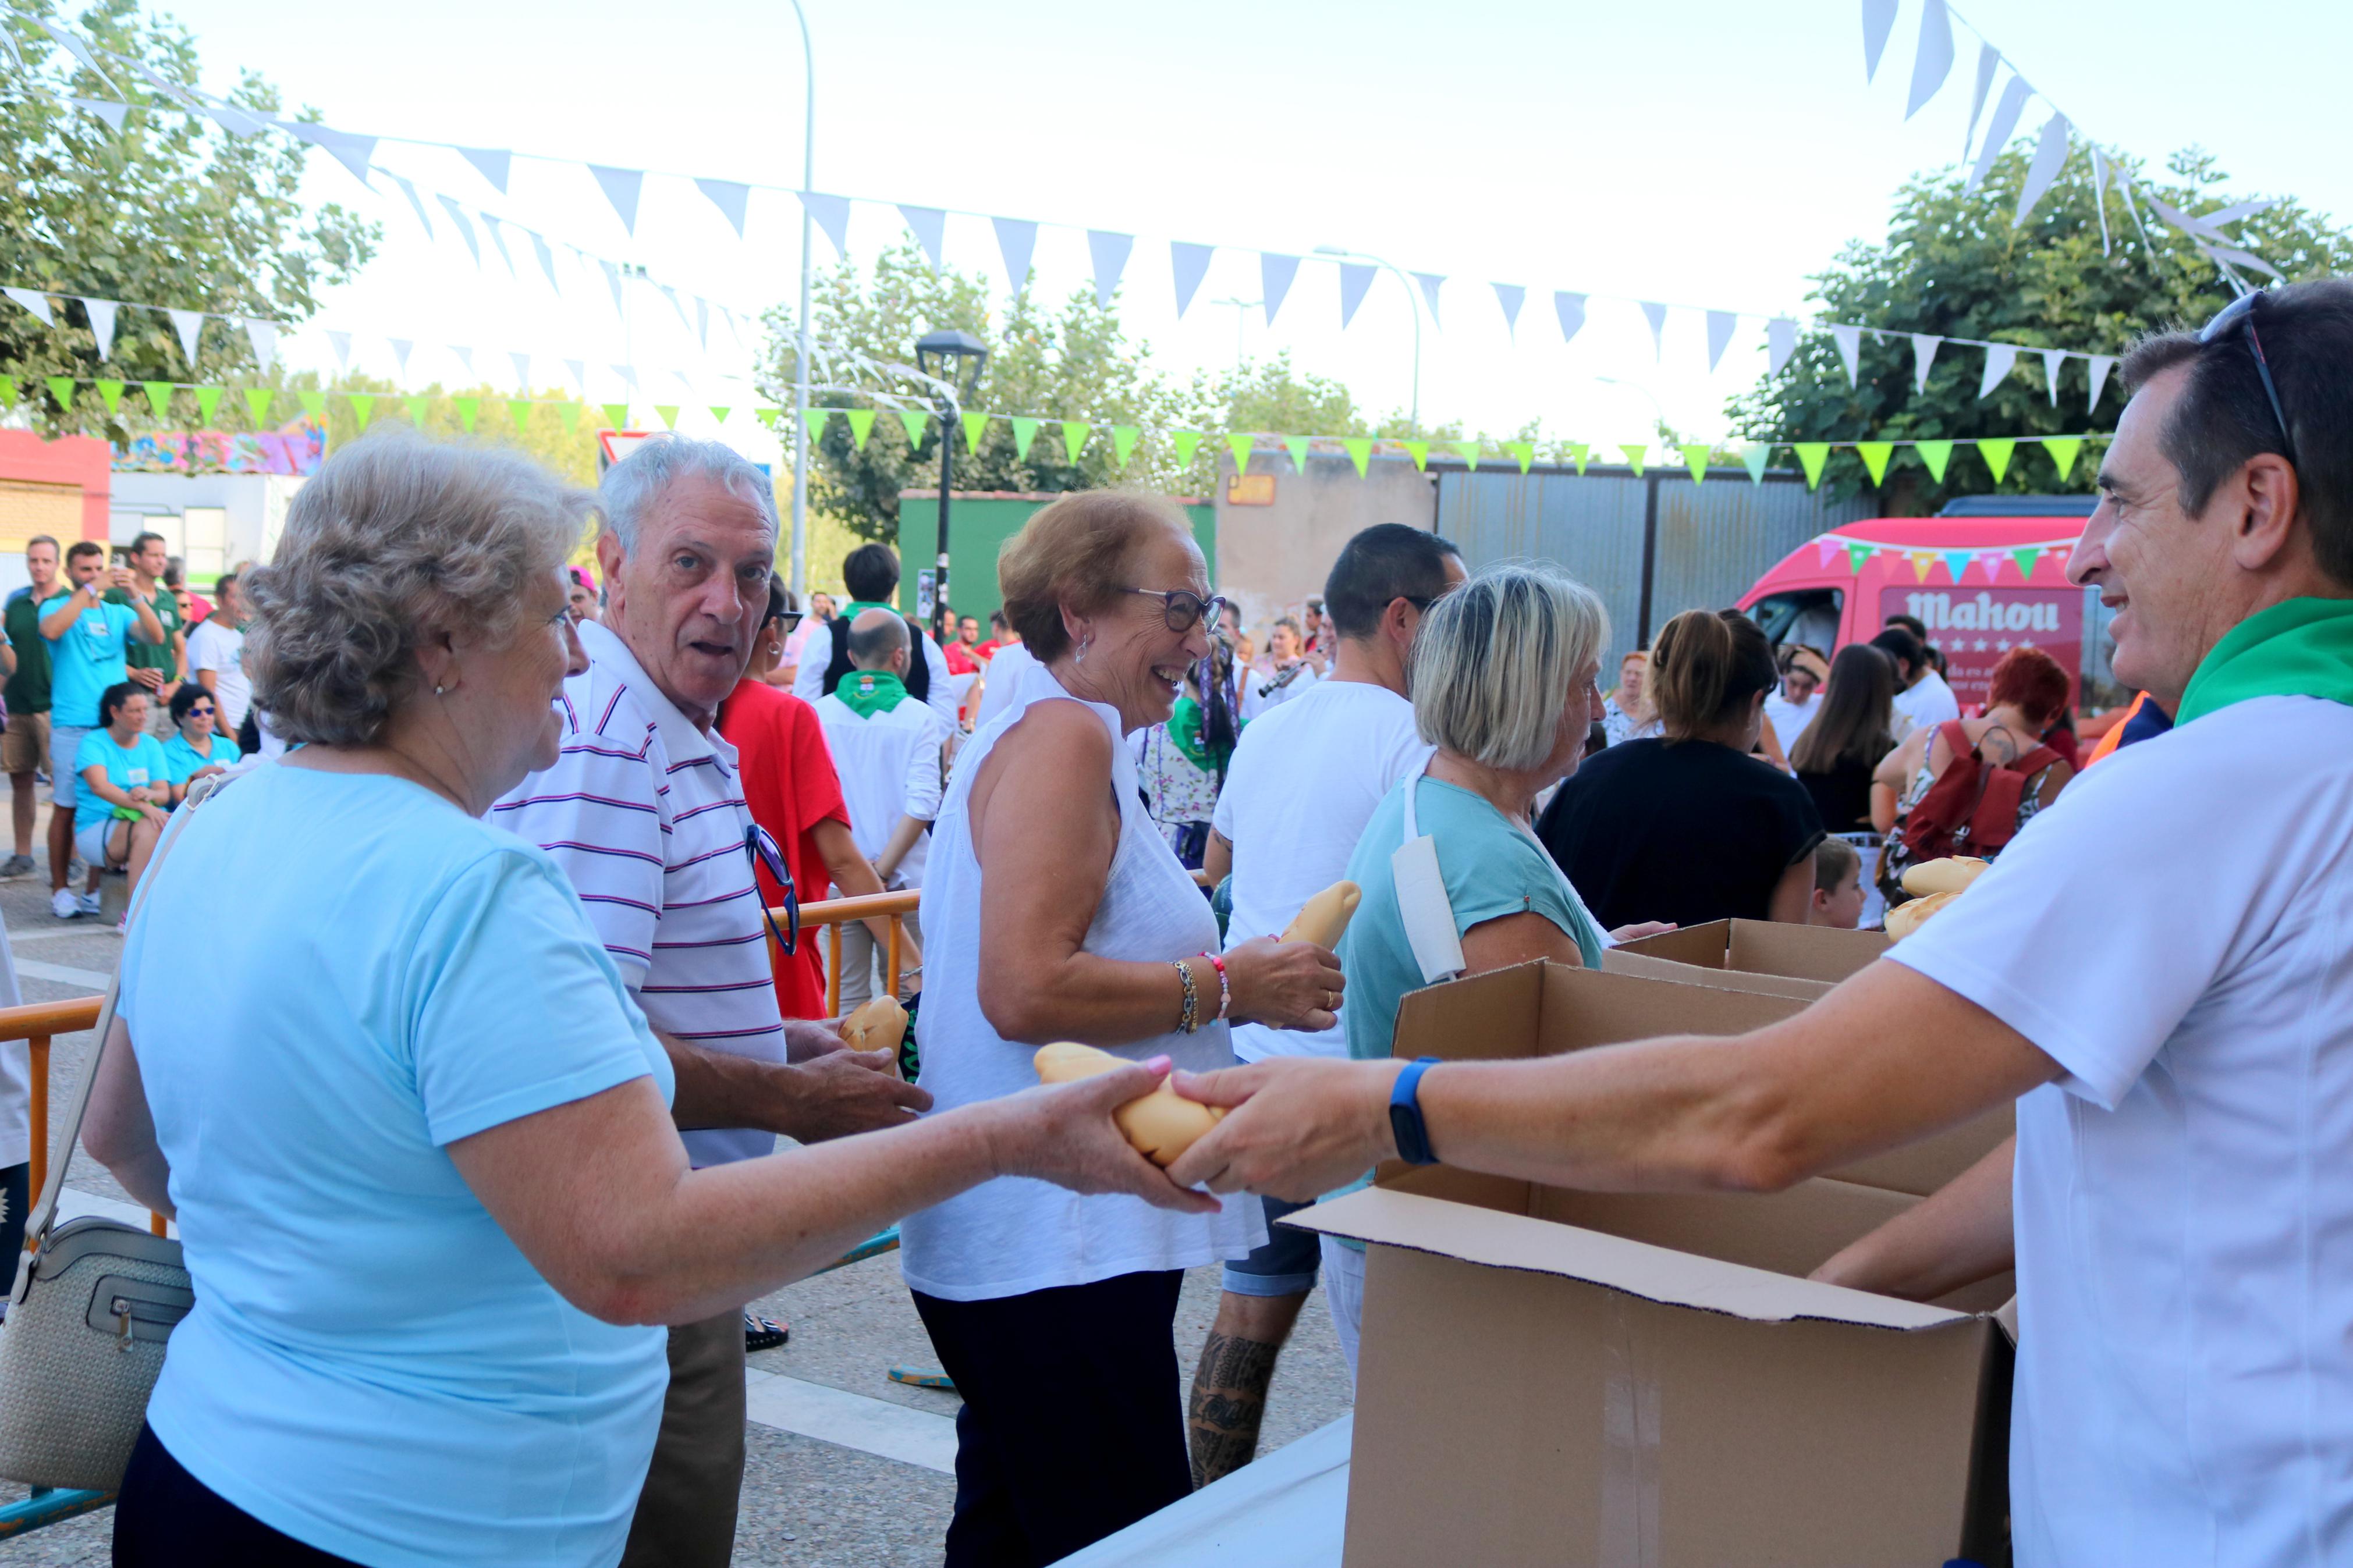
[2240, 312]
[1181, 608]
[761, 851]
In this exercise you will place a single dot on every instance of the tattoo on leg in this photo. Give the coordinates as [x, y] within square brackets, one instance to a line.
[1227, 1404]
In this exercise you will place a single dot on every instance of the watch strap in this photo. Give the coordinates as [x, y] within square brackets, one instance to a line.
[1405, 1114]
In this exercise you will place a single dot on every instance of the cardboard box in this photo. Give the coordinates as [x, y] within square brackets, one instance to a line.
[1563, 1377]
[1822, 955]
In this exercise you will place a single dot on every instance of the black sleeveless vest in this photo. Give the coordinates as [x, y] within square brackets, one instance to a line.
[918, 679]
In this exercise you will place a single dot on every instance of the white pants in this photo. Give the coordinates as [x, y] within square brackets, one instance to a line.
[863, 959]
[1344, 1291]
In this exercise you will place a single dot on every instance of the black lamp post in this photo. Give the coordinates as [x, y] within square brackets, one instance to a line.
[953, 356]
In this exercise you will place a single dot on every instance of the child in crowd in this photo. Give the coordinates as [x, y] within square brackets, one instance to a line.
[1838, 885]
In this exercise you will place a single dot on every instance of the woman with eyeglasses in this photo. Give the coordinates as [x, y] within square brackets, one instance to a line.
[197, 750]
[1055, 910]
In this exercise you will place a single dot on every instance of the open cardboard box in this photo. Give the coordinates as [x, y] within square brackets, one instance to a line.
[1563, 1377]
[1769, 957]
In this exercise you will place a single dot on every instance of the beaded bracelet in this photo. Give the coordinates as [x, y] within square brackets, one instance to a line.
[1189, 1020]
[1225, 988]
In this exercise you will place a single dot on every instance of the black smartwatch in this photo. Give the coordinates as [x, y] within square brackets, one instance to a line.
[1405, 1114]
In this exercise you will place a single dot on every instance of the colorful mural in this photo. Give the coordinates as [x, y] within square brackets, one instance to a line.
[295, 447]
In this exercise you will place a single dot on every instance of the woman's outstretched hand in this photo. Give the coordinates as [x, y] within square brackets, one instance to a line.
[1064, 1134]
[1294, 1128]
[1283, 984]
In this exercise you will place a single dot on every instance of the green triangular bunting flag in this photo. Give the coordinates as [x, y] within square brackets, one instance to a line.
[1937, 454]
[1241, 447]
[767, 416]
[912, 420]
[668, 413]
[1696, 456]
[1578, 451]
[975, 430]
[1360, 452]
[519, 412]
[570, 414]
[1419, 452]
[1024, 432]
[112, 392]
[1074, 438]
[2063, 450]
[1874, 456]
[862, 424]
[1634, 456]
[159, 398]
[720, 411]
[9, 390]
[416, 406]
[1858, 556]
[815, 419]
[1811, 455]
[61, 388]
[363, 404]
[1470, 452]
[1525, 451]
[314, 404]
[1755, 455]
[1996, 455]
[1185, 442]
[1123, 441]
[469, 410]
[2024, 559]
[257, 403]
[207, 399]
[1297, 447]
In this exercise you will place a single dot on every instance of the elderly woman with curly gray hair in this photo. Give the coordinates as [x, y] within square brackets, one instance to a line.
[419, 1142]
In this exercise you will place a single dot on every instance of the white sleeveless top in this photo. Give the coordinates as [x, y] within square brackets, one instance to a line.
[1016, 1234]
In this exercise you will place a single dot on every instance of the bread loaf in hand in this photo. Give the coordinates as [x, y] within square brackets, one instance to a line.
[879, 1025]
[1161, 1124]
[1951, 875]
[1905, 919]
[1323, 919]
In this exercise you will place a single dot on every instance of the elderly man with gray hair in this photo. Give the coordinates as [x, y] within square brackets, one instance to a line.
[644, 810]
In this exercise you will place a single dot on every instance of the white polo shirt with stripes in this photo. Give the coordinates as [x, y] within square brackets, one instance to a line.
[646, 815]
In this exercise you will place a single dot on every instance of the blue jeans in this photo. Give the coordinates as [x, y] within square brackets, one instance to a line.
[1285, 1264]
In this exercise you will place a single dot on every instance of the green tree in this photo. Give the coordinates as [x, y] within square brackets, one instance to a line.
[1955, 265]
[171, 210]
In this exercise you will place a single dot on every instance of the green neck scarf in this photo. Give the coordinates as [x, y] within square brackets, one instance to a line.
[867, 692]
[1185, 726]
[856, 607]
[2300, 648]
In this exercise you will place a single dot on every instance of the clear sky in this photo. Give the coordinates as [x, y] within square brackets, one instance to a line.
[1707, 153]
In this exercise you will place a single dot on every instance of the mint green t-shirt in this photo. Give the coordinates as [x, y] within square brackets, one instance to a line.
[1491, 870]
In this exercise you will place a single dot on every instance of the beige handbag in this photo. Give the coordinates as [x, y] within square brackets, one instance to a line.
[95, 1300]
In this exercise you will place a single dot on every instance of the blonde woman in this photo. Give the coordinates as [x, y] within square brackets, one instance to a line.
[1626, 713]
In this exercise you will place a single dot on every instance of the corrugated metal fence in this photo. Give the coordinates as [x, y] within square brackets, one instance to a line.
[1651, 546]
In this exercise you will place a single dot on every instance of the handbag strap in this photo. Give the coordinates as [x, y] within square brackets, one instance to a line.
[44, 1209]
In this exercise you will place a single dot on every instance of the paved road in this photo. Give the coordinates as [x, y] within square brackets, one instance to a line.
[843, 1467]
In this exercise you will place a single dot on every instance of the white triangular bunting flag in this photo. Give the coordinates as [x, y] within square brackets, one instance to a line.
[621, 188]
[1780, 342]
[2100, 197]
[465, 228]
[2013, 103]
[1719, 335]
[400, 348]
[75, 47]
[703, 322]
[1934, 63]
[1511, 297]
[931, 229]
[1850, 350]
[341, 343]
[730, 197]
[1429, 282]
[1275, 271]
[1108, 252]
[523, 369]
[832, 215]
[190, 325]
[1189, 264]
[351, 152]
[546, 258]
[465, 356]
[492, 162]
[1923, 354]
[613, 280]
[1988, 58]
[1017, 242]
[2000, 359]
[2050, 157]
[1356, 278]
[579, 369]
[1570, 308]
[2101, 365]
[1656, 314]
[1878, 21]
[113, 113]
[675, 303]
[101, 321]
[629, 375]
[2052, 360]
[234, 120]
[263, 336]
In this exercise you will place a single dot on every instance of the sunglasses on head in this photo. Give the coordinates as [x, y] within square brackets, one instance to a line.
[762, 850]
[1181, 609]
[2240, 313]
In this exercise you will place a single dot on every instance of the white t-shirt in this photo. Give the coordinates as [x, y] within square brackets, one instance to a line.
[1930, 703]
[1303, 782]
[1264, 691]
[890, 768]
[221, 650]
[2176, 932]
[1790, 719]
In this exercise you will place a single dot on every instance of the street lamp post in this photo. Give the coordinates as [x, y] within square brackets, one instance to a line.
[1413, 304]
[801, 354]
[953, 357]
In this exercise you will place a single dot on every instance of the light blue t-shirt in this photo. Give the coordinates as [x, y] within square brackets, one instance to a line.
[372, 1366]
[87, 661]
[180, 758]
[135, 766]
[1491, 870]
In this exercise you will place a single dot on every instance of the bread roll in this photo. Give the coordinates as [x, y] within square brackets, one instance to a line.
[1323, 919]
[1952, 875]
[879, 1025]
[1905, 919]
[1161, 1124]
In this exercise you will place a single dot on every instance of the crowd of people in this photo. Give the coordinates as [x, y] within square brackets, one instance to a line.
[474, 1147]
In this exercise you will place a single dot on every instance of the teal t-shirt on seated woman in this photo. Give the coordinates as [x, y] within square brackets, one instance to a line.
[372, 1366]
[1491, 870]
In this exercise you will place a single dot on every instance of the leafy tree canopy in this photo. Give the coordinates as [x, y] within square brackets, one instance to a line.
[171, 210]
[1955, 265]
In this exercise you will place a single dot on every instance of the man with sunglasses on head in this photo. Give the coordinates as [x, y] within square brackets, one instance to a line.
[644, 812]
[2158, 970]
